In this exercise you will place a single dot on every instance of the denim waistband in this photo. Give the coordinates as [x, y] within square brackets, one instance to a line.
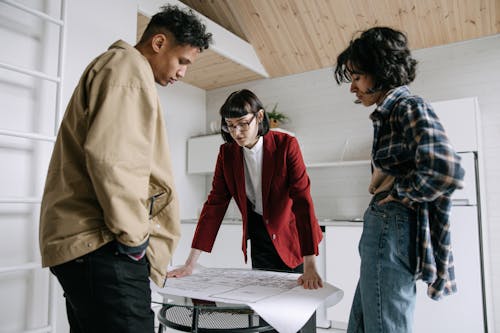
[383, 194]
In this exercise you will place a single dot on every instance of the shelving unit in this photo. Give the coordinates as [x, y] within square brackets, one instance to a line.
[49, 292]
[338, 164]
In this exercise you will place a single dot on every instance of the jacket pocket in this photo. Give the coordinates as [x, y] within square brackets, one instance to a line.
[160, 198]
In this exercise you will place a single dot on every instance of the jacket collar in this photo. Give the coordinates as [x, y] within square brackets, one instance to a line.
[386, 107]
[268, 165]
[239, 176]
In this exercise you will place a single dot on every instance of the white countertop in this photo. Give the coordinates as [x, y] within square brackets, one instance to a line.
[322, 222]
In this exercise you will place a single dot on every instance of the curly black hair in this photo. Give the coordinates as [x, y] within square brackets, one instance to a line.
[380, 52]
[182, 23]
[239, 104]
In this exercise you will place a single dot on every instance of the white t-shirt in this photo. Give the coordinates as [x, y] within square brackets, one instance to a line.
[253, 174]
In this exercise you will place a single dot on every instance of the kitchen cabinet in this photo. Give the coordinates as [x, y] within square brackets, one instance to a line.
[342, 266]
[463, 311]
[202, 153]
[460, 119]
[226, 252]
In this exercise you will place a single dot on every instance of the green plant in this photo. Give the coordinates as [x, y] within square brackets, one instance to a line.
[276, 115]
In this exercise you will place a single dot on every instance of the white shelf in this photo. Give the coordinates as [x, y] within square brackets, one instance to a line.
[338, 164]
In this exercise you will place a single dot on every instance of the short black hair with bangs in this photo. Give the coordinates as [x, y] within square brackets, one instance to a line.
[239, 104]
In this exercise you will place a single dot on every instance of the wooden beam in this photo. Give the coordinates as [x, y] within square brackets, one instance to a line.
[225, 43]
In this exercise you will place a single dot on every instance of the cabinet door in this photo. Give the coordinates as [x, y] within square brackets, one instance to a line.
[226, 252]
[468, 194]
[463, 311]
[202, 153]
[459, 119]
[342, 267]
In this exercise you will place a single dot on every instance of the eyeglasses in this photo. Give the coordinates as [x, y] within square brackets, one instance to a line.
[242, 125]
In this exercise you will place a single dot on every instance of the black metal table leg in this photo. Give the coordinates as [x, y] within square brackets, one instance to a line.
[194, 324]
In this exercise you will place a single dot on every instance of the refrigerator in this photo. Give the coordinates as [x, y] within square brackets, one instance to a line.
[463, 311]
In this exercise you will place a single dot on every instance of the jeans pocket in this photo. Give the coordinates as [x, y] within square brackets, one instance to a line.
[378, 210]
[403, 246]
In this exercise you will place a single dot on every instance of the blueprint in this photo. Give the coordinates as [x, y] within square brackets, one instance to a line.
[275, 296]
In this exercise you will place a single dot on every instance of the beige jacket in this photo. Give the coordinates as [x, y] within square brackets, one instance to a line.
[110, 158]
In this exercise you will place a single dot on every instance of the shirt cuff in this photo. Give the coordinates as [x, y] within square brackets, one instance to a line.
[137, 256]
[125, 249]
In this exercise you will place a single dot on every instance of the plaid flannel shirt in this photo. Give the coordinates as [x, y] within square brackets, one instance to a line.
[411, 145]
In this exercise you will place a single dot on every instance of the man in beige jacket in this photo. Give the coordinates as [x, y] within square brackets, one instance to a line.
[109, 214]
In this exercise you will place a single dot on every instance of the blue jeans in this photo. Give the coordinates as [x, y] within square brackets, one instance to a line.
[384, 300]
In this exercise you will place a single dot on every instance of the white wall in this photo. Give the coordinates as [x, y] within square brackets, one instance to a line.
[324, 117]
[28, 105]
[184, 108]
[92, 27]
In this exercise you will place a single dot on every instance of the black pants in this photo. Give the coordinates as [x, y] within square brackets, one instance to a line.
[264, 256]
[106, 292]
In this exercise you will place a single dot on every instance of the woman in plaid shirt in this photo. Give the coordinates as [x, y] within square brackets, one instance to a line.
[406, 226]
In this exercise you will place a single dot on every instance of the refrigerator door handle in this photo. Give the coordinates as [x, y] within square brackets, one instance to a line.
[460, 202]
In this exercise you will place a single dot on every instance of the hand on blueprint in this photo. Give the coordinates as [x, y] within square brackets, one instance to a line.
[310, 279]
[180, 272]
[188, 267]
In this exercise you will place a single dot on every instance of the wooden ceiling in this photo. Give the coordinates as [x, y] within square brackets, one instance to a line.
[295, 36]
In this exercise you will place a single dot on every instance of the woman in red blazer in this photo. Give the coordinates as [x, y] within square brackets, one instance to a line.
[265, 174]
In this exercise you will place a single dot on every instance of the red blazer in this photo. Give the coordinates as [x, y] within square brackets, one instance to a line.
[288, 210]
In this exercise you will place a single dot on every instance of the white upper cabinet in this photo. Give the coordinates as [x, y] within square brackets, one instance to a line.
[202, 153]
[460, 120]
